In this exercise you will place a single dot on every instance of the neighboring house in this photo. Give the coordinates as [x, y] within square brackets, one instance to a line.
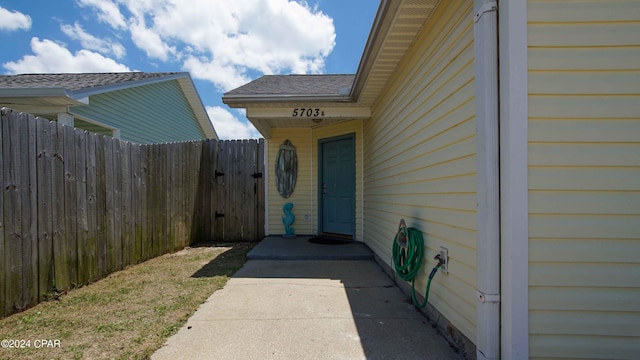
[133, 106]
[531, 182]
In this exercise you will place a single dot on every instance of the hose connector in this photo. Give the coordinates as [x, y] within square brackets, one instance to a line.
[401, 237]
[440, 260]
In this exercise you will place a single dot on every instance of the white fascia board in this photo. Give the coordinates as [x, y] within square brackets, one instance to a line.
[125, 85]
[58, 96]
[514, 279]
[309, 112]
[195, 101]
[34, 92]
[248, 100]
[39, 109]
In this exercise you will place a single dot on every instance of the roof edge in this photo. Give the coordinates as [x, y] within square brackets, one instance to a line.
[380, 27]
[199, 109]
[85, 92]
[57, 91]
[241, 99]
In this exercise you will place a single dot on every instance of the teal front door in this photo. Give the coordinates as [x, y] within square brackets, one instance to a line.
[337, 185]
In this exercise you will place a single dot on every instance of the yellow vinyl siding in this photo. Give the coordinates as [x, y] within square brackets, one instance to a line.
[301, 198]
[305, 195]
[419, 156]
[584, 179]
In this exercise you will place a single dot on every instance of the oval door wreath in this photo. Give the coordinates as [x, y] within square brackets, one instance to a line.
[286, 169]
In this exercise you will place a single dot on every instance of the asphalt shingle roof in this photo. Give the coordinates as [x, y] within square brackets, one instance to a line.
[74, 81]
[297, 85]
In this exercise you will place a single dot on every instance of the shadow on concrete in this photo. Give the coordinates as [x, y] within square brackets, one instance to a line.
[300, 248]
[225, 264]
[388, 325]
[294, 299]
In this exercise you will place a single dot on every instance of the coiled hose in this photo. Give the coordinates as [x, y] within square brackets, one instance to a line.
[407, 259]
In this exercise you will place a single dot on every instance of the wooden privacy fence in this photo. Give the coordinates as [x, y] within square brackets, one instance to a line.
[77, 206]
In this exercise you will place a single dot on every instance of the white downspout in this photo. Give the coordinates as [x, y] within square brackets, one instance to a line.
[488, 179]
[514, 195]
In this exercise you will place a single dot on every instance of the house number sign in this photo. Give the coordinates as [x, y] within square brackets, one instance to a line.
[307, 112]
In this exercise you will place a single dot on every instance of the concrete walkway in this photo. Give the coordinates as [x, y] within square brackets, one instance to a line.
[307, 309]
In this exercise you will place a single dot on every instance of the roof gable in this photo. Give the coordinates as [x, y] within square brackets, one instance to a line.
[294, 87]
[394, 30]
[52, 91]
[76, 81]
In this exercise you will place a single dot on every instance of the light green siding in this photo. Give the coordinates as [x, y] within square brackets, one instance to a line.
[419, 156]
[85, 125]
[584, 179]
[151, 113]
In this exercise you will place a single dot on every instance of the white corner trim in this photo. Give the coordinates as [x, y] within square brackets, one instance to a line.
[266, 187]
[313, 191]
[512, 28]
[361, 139]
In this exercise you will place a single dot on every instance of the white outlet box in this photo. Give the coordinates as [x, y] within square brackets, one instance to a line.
[444, 255]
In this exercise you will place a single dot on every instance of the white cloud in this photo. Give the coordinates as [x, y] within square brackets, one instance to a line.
[229, 127]
[108, 12]
[222, 41]
[51, 57]
[267, 36]
[14, 20]
[223, 76]
[90, 42]
[150, 41]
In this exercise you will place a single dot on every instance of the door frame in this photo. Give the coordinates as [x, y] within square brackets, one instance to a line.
[321, 143]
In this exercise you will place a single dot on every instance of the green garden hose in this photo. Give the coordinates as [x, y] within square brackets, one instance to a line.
[408, 250]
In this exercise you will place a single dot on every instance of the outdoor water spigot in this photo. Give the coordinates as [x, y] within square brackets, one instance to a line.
[401, 237]
[440, 260]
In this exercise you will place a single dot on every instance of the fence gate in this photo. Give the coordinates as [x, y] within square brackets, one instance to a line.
[76, 206]
[232, 186]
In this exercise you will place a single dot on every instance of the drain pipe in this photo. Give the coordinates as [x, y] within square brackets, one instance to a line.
[488, 175]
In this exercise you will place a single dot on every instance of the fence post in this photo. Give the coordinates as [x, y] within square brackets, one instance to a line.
[88, 205]
[3, 253]
[82, 221]
[91, 241]
[260, 193]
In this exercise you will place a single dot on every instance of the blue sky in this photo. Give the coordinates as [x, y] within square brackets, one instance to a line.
[221, 43]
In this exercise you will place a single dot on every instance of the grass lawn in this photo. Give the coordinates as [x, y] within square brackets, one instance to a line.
[127, 315]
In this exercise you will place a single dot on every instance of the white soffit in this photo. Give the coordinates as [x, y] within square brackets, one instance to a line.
[394, 32]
